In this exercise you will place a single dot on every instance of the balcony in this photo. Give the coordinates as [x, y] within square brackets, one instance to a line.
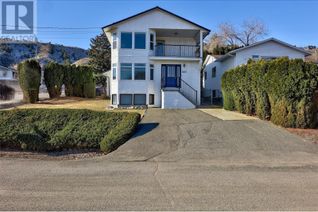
[168, 50]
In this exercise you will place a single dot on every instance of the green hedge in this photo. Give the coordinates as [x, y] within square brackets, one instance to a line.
[280, 90]
[120, 134]
[79, 81]
[53, 78]
[58, 129]
[30, 79]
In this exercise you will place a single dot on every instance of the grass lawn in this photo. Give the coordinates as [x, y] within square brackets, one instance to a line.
[98, 104]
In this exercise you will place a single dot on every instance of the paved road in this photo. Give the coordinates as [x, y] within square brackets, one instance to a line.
[178, 160]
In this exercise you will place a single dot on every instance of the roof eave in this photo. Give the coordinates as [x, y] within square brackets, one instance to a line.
[156, 8]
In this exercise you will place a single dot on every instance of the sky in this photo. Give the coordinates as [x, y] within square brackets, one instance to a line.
[292, 21]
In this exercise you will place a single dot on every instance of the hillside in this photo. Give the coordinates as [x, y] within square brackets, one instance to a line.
[12, 53]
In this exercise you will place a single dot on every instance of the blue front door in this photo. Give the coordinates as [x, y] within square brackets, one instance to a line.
[171, 75]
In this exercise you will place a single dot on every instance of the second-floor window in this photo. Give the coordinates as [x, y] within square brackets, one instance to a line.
[140, 40]
[114, 40]
[213, 72]
[126, 71]
[140, 71]
[126, 40]
[114, 71]
[152, 41]
[151, 71]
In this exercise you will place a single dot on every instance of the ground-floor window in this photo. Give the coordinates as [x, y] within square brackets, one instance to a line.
[125, 99]
[214, 93]
[151, 99]
[114, 99]
[139, 99]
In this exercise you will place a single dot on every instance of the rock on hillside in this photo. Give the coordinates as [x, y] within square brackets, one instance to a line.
[12, 53]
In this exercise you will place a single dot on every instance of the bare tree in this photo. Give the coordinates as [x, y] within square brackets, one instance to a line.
[214, 41]
[228, 32]
[250, 32]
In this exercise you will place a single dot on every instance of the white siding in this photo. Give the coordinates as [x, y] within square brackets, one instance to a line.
[268, 49]
[148, 23]
[173, 99]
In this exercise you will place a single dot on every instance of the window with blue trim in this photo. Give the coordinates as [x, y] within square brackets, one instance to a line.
[126, 40]
[140, 71]
[140, 40]
[151, 71]
[126, 71]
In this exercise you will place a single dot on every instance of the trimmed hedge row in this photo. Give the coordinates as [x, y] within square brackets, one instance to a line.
[280, 90]
[79, 81]
[58, 129]
[30, 79]
[53, 78]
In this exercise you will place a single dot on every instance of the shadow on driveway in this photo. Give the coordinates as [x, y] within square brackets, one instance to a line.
[144, 128]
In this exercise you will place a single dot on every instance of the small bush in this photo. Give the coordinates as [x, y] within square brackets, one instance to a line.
[53, 78]
[58, 129]
[30, 78]
[6, 92]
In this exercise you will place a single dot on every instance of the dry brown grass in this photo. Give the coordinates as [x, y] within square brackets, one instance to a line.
[97, 104]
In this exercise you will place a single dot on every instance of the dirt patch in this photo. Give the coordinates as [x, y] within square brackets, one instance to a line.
[62, 155]
[308, 134]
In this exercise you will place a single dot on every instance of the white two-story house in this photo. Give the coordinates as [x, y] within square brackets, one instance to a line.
[268, 49]
[156, 59]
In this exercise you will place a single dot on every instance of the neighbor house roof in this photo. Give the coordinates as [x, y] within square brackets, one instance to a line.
[153, 9]
[6, 68]
[232, 53]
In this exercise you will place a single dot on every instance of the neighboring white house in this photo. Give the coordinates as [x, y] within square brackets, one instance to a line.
[267, 49]
[7, 73]
[156, 60]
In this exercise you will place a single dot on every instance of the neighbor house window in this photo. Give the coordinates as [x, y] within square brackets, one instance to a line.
[114, 99]
[213, 72]
[205, 75]
[255, 57]
[114, 71]
[151, 99]
[114, 40]
[213, 93]
[140, 71]
[125, 99]
[140, 40]
[268, 58]
[139, 99]
[152, 68]
[126, 71]
[152, 36]
[126, 40]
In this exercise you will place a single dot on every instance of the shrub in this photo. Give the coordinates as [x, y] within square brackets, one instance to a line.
[6, 92]
[30, 78]
[120, 134]
[58, 129]
[79, 81]
[280, 90]
[53, 78]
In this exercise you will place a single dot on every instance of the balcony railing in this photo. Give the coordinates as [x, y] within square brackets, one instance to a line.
[166, 50]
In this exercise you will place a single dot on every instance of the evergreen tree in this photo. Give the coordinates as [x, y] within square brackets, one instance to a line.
[100, 53]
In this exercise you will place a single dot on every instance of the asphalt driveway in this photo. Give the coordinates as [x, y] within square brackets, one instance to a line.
[178, 160]
[194, 136]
